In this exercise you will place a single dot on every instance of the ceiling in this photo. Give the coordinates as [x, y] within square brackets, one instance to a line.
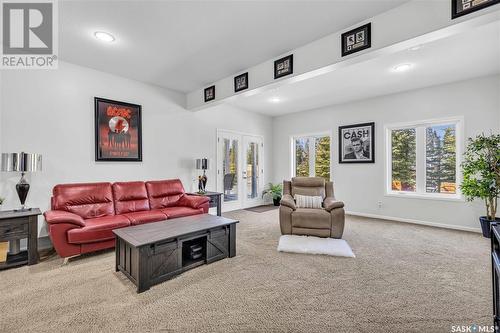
[459, 57]
[186, 45]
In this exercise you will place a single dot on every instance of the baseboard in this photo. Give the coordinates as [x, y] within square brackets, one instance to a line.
[412, 221]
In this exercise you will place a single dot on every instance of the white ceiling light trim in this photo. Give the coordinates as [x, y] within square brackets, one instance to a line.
[104, 36]
[275, 99]
[402, 68]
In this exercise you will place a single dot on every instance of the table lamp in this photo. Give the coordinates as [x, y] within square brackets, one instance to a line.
[22, 162]
[202, 164]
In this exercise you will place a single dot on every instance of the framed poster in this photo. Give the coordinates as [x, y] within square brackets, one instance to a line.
[357, 143]
[209, 94]
[356, 39]
[241, 82]
[283, 66]
[464, 7]
[118, 131]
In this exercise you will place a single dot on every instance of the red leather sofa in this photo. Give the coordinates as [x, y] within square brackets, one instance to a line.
[82, 216]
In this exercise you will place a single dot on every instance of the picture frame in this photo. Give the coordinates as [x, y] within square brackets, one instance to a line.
[241, 82]
[283, 66]
[118, 131]
[357, 143]
[209, 94]
[464, 7]
[357, 39]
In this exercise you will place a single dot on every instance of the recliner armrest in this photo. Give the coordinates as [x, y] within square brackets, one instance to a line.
[288, 201]
[330, 203]
[193, 201]
[61, 216]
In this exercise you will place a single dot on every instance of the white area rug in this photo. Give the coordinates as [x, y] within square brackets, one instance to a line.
[315, 245]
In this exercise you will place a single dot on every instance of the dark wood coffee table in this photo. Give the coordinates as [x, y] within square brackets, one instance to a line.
[154, 252]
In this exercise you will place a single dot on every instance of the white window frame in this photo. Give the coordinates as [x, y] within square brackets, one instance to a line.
[312, 152]
[420, 126]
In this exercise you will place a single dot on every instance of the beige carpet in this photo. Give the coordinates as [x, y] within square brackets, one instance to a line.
[405, 278]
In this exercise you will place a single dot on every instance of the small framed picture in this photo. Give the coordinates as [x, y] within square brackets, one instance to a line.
[241, 82]
[118, 131]
[357, 143]
[356, 39]
[209, 94]
[464, 7]
[283, 66]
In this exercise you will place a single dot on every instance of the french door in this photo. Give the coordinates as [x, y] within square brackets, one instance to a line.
[240, 169]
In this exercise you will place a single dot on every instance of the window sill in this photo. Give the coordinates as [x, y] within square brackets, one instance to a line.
[438, 197]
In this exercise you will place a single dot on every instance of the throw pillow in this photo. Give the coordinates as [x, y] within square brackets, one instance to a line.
[307, 201]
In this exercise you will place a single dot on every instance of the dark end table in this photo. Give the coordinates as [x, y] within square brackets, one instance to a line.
[215, 200]
[15, 225]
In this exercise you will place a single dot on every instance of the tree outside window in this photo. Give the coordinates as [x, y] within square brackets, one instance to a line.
[429, 170]
[312, 156]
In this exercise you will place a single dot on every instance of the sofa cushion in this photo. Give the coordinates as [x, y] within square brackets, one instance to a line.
[308, 201]
[311, 218]
[86, 200]
[98, 229]
[145, 217]
[173, 212]
[164, 193]
[130, 197]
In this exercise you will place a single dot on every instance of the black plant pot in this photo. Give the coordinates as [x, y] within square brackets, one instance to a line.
[276, 201]
[485, 225]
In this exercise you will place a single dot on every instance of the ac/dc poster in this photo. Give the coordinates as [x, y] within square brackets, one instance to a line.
[118, 134]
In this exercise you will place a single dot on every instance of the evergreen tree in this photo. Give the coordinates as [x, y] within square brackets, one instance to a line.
[434, 153]
[404, 158]
[322, 167]
[449, 157]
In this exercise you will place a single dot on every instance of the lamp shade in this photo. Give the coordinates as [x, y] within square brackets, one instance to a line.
[21, 162]
[202, 163]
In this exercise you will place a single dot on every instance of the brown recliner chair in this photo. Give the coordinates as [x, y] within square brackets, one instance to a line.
[325, 222]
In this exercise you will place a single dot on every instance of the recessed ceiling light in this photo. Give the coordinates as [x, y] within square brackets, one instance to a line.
[275, 99]
[402, 68]
[104, 36]
[416, 47]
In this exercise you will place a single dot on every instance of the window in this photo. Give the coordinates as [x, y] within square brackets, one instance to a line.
[311, 156]
[423, 158]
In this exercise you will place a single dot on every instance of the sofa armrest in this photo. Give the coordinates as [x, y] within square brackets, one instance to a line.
[330, 203]
[61, 216]
[193, 201]
[288, 201]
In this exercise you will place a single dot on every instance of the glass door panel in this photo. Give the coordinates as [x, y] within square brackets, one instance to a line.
[230, 169]
[252, 170]
[239, 169]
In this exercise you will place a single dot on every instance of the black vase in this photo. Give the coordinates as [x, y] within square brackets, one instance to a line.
[486, 225]
[22, 189]
[276, 201]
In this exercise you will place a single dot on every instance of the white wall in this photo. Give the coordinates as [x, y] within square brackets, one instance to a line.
[361, 186]
[52, 113]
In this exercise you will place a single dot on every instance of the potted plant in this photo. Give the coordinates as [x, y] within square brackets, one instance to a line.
[275, 191]
[481, 175]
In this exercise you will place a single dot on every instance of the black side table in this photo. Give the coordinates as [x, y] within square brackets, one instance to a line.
[215, 200]
[15, 225]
